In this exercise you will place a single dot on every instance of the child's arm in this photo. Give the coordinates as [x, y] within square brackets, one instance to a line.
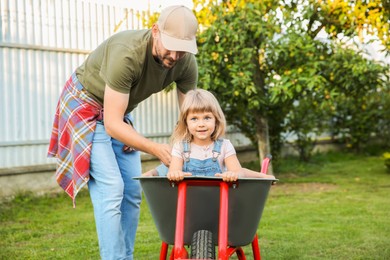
[152, 172]
[253, 174]
[175, 172]
[234, 169]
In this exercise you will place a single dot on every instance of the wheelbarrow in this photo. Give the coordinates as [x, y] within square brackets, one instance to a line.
[202, 212]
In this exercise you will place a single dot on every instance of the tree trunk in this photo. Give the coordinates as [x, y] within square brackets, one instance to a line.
[263, 141]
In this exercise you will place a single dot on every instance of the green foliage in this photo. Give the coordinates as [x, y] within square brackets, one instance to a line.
[386, 158]
[383, 126]
[297, 63]
[274, 76]
[342, 18]
[232, 64]
[360, 109]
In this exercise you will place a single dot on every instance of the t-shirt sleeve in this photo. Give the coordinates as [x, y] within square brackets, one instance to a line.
[176, 150]
[189, 78]
[228, 148]
[117, 68]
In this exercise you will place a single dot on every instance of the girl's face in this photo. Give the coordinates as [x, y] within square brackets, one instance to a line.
[201, 126]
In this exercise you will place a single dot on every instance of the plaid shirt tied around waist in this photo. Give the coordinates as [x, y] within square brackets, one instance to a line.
[71, 139]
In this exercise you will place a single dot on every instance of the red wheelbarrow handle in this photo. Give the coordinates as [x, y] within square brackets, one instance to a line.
[264, 165]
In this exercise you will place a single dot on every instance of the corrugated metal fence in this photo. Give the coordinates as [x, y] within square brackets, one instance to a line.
[41, 43]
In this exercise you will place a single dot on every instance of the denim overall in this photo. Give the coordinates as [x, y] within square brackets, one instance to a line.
[207, 167]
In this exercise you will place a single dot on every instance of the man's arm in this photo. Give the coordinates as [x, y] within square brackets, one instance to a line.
[115, 104]
[180, 97]
[188, 80]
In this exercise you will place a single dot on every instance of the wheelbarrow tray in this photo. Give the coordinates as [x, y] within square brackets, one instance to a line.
[246, 203]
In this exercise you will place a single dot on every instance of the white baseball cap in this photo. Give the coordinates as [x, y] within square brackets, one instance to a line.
[178, 26]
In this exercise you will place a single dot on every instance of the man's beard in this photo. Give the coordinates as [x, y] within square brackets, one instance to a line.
[160, 59]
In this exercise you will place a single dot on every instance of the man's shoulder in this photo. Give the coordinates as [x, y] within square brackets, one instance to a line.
[130, 46]
[131, 39]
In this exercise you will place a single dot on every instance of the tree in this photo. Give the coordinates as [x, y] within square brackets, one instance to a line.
[297, 62]
[232, 64]
[262, 58]
[363, 91]
[349, 18]
[348, 78]
[272, 65]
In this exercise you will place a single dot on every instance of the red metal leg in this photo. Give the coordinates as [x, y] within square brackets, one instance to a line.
[171, 257]
[164, 251]
[223, 221]
[240, 254]
[224, 252]
[179, 251]
[256, 249]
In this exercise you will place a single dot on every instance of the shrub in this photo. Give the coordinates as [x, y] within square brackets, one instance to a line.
[386, 157]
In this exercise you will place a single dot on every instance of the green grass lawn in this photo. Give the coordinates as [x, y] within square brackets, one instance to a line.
[336, 207]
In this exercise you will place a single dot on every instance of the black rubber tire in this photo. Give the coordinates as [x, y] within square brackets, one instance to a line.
[202, 246]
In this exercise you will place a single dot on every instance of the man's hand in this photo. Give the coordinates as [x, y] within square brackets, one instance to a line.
[163, 152]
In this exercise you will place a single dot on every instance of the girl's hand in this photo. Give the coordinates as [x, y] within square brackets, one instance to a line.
[177, 175]
[228, 176]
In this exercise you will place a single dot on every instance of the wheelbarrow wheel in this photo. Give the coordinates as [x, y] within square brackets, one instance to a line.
[202, 246]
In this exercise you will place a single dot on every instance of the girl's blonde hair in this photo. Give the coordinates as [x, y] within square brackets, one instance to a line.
[195, 101]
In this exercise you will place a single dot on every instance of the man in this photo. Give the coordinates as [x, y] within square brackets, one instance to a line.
[93, 129]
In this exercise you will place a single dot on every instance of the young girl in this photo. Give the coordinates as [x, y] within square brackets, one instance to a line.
[198, 149]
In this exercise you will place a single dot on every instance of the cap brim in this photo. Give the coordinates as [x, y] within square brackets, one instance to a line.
[174, 44]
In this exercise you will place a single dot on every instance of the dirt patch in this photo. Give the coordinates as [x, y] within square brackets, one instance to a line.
[302, 188]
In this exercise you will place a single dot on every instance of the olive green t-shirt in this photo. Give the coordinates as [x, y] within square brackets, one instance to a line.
[125, 63]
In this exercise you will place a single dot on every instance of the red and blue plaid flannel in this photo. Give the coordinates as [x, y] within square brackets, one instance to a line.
[72, 134]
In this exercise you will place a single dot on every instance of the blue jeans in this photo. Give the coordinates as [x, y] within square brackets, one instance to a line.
[115, 196]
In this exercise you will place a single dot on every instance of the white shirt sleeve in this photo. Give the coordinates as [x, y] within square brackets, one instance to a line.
[227, 148]
[177, 150]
